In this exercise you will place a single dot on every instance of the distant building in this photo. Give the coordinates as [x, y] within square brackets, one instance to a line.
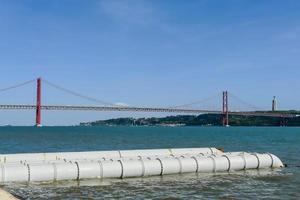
[274, 104]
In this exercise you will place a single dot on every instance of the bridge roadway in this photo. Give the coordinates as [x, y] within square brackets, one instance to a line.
[144, 109]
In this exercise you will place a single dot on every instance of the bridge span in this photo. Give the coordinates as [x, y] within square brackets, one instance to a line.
[225, 111]
[142, 109]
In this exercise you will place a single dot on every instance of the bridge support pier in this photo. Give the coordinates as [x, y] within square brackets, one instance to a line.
[38, 121]
[225, 109]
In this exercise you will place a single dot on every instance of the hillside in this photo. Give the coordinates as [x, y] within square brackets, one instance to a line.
[200, 120]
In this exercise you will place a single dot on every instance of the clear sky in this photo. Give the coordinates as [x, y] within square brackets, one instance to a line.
[156, 53]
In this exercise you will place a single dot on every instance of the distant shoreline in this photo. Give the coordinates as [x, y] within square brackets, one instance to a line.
[197, 120]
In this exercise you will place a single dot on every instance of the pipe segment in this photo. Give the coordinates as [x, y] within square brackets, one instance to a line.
[132, 166]
[96, 155]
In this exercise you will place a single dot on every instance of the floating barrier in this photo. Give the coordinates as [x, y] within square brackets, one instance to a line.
[90, 155]
[131, 163]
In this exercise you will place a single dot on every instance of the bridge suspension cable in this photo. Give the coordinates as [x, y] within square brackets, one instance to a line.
[256, 108]
[16, 86]
[77, 94]
[196, 102]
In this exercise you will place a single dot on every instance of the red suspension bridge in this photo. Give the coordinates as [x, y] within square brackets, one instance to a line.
[225, 112]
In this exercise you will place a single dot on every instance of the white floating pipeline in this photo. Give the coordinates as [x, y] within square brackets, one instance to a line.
[30, 167]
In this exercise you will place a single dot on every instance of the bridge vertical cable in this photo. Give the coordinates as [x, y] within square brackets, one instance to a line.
[244, 104]
[92, 99]
[199, 103]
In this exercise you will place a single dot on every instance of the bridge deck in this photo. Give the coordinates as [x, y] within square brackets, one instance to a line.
[145, 109]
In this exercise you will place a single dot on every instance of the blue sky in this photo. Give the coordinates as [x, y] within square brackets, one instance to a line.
[156, 53]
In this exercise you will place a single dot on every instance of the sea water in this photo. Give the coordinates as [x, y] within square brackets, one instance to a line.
[252, 184]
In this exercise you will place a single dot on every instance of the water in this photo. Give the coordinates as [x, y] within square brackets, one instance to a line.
[253, 184]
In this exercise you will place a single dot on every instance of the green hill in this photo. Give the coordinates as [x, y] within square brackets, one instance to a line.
[200, 120]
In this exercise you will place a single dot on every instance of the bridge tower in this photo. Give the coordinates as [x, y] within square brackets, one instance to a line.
[225, 109]
[38, 103]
